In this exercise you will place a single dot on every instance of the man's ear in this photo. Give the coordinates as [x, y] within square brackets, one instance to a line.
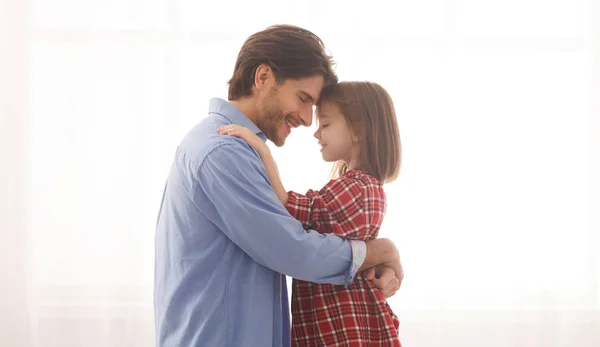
[262, 76]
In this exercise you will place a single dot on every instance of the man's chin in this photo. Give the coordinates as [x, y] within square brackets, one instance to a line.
[277, 140]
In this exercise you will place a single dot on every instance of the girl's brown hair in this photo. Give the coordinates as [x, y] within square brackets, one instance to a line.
[369, 111]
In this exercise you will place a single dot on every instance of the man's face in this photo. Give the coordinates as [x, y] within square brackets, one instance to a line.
[285, 106]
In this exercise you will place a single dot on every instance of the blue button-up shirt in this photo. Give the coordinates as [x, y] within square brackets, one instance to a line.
[223, 239]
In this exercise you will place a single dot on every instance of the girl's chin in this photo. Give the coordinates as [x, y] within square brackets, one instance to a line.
[327, 159]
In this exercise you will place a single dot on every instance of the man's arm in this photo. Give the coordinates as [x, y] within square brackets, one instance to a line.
[233, 192]
[273, 174]
[265, 155]
[383, 252]
[301, 210]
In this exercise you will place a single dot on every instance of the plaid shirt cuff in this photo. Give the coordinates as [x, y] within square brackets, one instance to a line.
[359, 252]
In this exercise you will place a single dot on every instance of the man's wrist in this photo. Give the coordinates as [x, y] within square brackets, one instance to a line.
[379, 251]
[359, 252]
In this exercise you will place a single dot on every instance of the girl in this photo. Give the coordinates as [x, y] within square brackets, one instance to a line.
[358, 131]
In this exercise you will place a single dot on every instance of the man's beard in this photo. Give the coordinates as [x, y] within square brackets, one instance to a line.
[270, 122]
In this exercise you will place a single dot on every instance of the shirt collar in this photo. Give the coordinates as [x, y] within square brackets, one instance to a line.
[234, 115]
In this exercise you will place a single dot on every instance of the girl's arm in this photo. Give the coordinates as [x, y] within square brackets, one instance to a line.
[265, 155]
[273, 173]
[346, 206]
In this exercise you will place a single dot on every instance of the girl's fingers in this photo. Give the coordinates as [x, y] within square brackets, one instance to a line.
[228, 127]
[231, 129]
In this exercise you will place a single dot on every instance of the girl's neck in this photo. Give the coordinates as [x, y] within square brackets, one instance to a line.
[354, 162]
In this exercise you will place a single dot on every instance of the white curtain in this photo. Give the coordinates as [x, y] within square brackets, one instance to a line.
[496, 211]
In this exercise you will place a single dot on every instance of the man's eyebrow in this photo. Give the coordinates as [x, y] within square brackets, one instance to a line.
[308, 96]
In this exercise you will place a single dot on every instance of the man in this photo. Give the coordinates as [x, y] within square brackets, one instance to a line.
[223, 239]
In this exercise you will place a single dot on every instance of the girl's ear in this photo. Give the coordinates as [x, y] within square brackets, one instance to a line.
[355, 136]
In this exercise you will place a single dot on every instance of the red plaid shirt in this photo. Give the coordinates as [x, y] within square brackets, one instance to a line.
[351, 206]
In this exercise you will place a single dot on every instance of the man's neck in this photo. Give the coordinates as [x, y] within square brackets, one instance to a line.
[247, 106]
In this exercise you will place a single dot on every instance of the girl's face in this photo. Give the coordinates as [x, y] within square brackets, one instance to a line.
[337, 140]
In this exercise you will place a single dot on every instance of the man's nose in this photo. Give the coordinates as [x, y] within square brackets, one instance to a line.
[306, 117]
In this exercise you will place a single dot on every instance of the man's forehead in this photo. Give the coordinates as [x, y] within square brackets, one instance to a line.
[310, 86]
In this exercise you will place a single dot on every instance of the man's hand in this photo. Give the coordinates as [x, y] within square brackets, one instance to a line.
[384, 278]
[383, 254]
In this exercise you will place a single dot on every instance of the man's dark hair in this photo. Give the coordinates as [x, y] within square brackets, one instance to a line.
[290, 51]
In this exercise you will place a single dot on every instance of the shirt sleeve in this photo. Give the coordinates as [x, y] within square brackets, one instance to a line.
[348, 207]
[234, 193]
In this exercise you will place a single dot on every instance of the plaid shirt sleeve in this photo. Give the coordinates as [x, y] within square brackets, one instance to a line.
[348, 207]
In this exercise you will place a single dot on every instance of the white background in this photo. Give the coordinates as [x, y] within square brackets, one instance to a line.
[496, 210]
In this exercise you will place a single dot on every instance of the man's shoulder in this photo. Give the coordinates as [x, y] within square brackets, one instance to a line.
[204, 142]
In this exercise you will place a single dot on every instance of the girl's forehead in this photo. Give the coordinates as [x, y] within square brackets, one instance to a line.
[321, 116]
[327, 109]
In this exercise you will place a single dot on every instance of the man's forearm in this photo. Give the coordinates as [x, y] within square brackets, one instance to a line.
[380, 251]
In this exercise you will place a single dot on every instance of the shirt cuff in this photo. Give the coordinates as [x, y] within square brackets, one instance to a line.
[359, 252]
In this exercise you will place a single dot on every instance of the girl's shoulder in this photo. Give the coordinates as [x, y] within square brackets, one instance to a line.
[361, 176]
[355, 182]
